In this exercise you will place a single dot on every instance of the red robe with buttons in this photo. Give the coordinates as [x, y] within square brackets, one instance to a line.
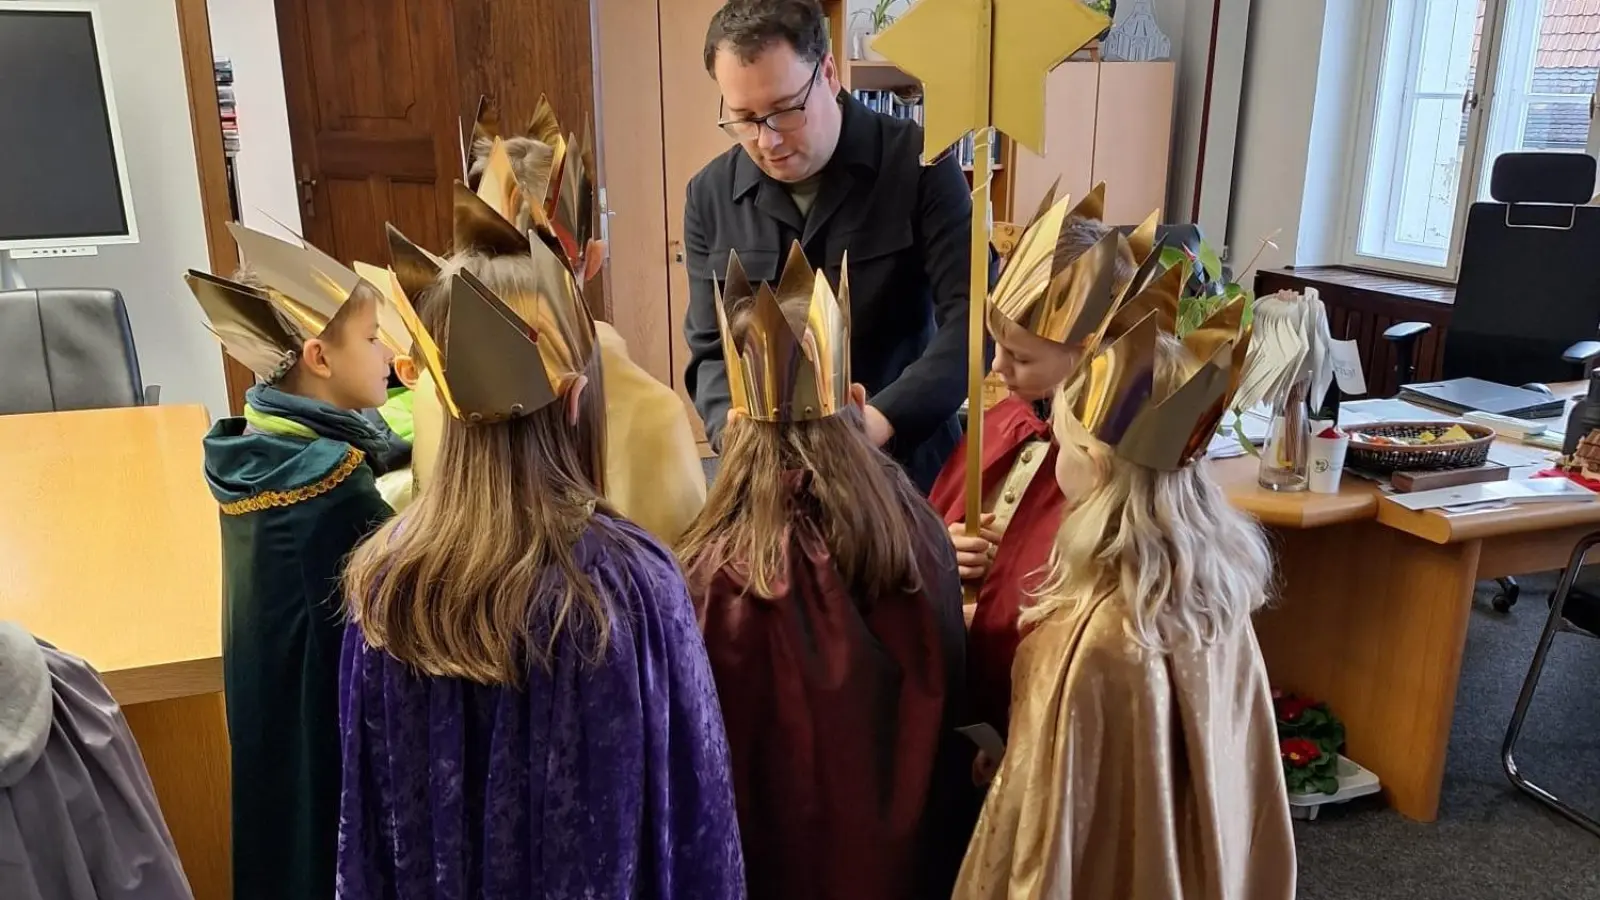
[1021, 557]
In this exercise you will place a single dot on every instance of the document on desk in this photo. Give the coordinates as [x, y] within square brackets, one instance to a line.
[1453, 499]
[1366, 412]
[1513, 455]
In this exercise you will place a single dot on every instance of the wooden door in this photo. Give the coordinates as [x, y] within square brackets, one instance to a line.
[689, 102]
[372, 118]
[630, 152]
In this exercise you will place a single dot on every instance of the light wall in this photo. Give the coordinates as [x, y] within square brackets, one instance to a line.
[147, 77]
[1302, 86]
[246, 31]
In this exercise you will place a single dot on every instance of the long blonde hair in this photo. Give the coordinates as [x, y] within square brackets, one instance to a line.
[863, 503]
[1168, 545]
[479, 578]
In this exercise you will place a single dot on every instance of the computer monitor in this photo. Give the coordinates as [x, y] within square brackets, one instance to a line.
[63, 178]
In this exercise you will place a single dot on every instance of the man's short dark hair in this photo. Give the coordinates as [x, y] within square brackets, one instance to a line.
[748, 27]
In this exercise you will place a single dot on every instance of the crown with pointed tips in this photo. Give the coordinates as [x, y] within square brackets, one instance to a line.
[506, 355]
[537, 181]
[496, 360]
[310, 288]
[1055, 289]
[300, 292]
[1114, 400]
[248, 325]
[783, 368]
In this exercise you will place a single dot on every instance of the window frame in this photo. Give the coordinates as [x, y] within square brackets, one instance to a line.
[1375, 42]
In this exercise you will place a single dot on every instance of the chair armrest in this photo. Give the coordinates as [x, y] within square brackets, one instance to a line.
[1405, 331]
[152, 395]
[1581, 352]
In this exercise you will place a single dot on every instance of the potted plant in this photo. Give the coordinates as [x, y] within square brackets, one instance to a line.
[878, 18]
[1207, 290]
[1310, 737]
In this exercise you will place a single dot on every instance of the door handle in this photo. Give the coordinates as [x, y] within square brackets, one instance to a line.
[308, 187]
[677, 251]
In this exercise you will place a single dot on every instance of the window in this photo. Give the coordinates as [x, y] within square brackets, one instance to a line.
[1452, 84]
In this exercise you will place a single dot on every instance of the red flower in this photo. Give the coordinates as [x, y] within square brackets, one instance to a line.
[1291, 707]
[1299, 752]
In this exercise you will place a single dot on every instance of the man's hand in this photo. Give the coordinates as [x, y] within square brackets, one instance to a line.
[879, 431]
[974, 555]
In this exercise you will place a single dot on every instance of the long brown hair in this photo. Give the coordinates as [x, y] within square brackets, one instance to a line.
[479, 579]
[864, 504]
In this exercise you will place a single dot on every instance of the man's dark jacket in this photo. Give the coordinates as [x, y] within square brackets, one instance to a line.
[907, 230]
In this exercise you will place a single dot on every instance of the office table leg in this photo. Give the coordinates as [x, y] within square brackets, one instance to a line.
[185, 746]
[1374, 622]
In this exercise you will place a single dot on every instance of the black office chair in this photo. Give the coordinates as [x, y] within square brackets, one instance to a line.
[1528, 286]
[1576, 611]
[68, 348]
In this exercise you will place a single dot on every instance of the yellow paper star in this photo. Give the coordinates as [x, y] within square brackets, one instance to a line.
[940, 43]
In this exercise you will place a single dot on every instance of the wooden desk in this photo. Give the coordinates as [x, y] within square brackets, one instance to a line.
[1372, 607]
[109, 549]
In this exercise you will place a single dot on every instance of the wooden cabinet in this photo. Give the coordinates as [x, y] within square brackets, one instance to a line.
[1108, 121]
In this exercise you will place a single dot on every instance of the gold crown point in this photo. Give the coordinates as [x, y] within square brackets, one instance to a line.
[1142, 240]
[798, 278]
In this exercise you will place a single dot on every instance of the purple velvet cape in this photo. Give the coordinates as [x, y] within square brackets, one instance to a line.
[594, 781]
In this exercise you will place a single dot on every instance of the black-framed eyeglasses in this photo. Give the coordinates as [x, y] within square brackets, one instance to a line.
[783, 121]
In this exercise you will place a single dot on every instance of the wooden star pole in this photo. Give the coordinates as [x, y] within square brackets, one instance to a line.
[950, 46]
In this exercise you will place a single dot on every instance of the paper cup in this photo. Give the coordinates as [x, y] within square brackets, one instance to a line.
[1325, 463]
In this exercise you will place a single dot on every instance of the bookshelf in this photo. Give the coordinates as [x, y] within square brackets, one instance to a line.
[882, 86]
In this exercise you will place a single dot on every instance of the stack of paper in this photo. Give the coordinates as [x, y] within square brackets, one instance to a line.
[1494, 494]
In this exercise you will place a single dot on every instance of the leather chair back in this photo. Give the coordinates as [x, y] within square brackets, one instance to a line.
[66, 348]
[1528, 286]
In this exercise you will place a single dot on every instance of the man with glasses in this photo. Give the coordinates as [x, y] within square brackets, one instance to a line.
[815, 165]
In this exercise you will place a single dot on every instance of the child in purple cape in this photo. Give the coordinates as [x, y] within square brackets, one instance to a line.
[527, 707]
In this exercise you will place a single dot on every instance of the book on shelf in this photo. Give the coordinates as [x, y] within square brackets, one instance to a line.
[891, 103]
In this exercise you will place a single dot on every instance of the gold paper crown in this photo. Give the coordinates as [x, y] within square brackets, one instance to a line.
[1063, 293]
[310, 286]
[301, 292]
[506, 356]
[537, 181]
[1115, 402]
[245, 321]
[783, 370]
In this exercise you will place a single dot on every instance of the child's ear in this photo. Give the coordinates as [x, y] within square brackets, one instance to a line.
[314, 358]
[405, 369]
[572, 397]
[858, 396]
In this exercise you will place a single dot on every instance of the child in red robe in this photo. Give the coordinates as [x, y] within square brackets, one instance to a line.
[1022, 502]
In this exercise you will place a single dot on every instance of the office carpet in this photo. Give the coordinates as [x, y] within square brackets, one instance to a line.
[1492, 842]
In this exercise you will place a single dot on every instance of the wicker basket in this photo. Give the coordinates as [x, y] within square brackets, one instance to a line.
[1386, 458]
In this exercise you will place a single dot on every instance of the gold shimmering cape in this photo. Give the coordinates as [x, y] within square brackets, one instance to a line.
[1134, 775]
[653, 470]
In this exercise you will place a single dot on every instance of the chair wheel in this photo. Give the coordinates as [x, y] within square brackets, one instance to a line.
[1506, 599]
